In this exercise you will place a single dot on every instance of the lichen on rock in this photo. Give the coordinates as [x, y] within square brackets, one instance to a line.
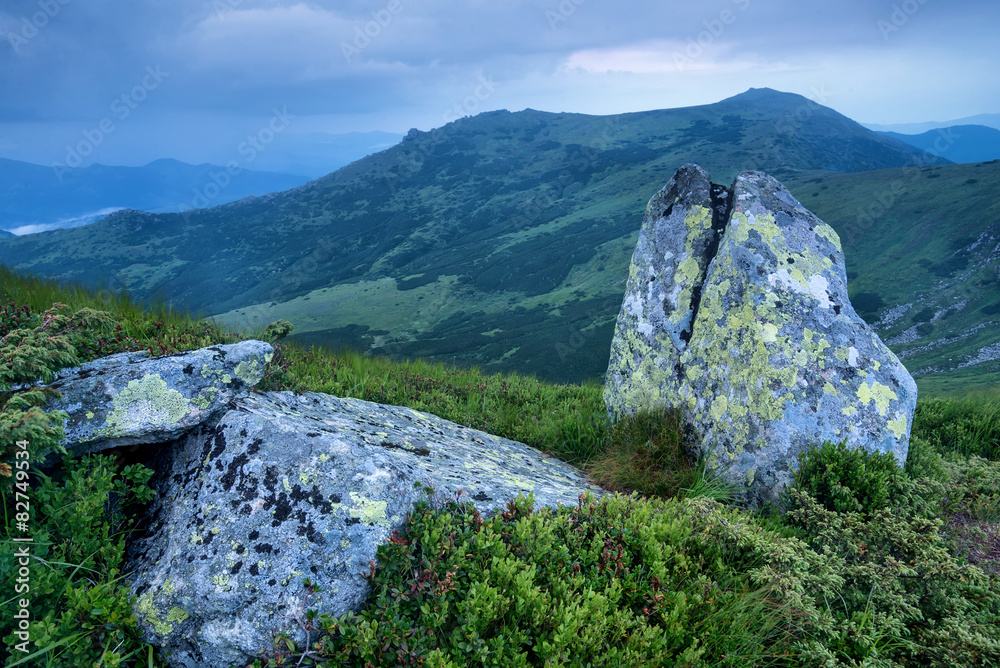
[283, 488]
[777, 359]
[132, 398]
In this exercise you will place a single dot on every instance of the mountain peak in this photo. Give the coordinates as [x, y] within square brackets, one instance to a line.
[768, 95]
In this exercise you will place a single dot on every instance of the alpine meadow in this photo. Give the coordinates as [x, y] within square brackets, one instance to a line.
[499, 335]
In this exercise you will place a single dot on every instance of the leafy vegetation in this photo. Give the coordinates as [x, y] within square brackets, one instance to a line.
[872, 565]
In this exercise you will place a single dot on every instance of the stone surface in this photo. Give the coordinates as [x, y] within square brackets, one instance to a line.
[777, 358]
[288, 487]
[131, 398]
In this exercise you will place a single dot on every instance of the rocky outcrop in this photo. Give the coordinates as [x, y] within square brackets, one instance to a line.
[736, 312]
[283, 488]
[131, 398]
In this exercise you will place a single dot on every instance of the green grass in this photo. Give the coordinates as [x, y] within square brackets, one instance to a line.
[668, 576]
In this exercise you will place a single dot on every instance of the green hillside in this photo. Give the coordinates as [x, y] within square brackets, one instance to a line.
[501, 240]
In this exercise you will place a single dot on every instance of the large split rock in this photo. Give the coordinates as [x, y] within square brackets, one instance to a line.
[744, 323]
[285, 488]
[131, 398]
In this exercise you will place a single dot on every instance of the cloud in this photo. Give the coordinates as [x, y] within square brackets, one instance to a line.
[76, 221]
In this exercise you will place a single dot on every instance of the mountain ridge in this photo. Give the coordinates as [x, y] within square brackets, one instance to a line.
[499, 240]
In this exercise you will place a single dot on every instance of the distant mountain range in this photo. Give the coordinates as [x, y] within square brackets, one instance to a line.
[989, 120]
[35, 198]
[959, 143]
[503, 240]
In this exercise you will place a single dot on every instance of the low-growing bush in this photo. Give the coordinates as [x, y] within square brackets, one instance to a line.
[617, 582]
[845, 479]
[80, 609]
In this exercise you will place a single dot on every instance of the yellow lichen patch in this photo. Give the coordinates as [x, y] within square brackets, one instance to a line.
[830, 235]
[148, 402]
[898, 426]
[878, 393]
[177, 615]
[144, 607]
[221, 580]
[719, 406]
[368, 511]
[829, 389]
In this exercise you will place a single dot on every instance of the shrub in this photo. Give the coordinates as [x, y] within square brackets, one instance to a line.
[844, 479]
[81, 613]
[615, 582]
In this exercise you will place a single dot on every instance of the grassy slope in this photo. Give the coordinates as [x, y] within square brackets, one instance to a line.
[725, 580]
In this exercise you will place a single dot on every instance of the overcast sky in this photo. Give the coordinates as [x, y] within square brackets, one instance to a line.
[136, 80]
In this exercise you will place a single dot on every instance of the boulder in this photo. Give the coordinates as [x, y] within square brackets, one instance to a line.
[775, 358]
[284, 488]
[132, 398]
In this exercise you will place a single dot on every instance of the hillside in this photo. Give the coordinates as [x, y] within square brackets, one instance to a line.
[501, 240]
[959, 143]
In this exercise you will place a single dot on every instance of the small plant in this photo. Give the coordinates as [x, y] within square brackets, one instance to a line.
[847, 480]
[278, 330]
[81, 611]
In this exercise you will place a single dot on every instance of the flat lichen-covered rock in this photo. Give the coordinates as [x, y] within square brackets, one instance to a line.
[285, 488]
[777, 358]
[131, 398]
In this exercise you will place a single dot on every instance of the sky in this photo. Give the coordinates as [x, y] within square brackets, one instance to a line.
[125, 82]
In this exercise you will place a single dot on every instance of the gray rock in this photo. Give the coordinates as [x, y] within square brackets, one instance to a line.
[131, 398]
[288, 487]
[777, 357]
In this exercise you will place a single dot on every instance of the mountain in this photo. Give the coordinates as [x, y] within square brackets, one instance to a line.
[501, 240]
[34, 198]
[989, 120]
[958, 143]
[4, 234]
